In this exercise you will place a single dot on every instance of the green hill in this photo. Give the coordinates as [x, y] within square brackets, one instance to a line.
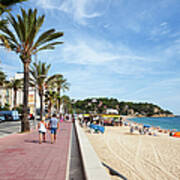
[100, 105]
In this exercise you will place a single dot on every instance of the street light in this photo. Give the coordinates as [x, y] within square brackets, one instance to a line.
[35, 108]
[35, 97]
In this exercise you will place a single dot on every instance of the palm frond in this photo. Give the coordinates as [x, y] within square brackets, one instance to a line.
[21, 26]
[48, 46]
[15, 25]
[49, 37]
[3, 23]
[43, 36]
[9, 33]
[34, 31]
[44, 48]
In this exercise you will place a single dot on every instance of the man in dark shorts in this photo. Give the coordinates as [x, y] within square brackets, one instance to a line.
[54, 126]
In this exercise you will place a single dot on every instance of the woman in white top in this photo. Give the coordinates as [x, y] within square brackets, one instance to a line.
[42, 126]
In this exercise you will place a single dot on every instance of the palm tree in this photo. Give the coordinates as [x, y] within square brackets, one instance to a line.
[23, 40]
[67, 103]
[39, 72]
[2, 78]
[60, 83]
[2, 81]
[51, 98]
[15, 84]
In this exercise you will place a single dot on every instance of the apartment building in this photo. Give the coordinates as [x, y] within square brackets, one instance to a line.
[7, 95]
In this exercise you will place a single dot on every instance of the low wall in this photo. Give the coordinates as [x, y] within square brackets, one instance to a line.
[93, 168]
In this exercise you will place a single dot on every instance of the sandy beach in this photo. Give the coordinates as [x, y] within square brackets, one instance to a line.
[136, 156]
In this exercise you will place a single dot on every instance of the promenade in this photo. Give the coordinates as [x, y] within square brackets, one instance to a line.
[23, 158]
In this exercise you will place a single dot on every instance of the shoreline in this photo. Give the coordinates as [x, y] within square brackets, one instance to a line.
[159, 127]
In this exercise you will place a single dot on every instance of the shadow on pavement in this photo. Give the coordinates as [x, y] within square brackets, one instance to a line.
[7, 132]
[32, 141]
[36, 141]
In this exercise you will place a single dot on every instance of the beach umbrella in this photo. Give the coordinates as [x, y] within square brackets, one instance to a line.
[146, 126]
[97, 128]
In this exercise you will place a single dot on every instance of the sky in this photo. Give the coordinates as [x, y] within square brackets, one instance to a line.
[125, 49]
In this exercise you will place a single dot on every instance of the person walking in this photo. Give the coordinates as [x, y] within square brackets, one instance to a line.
[53, 126]
[42, 126]
[61, 118]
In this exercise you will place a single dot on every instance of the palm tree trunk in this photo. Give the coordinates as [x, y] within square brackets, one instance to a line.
[49, 109]
[41, 103]
[59, 101]
[15, 98]
[25, 122]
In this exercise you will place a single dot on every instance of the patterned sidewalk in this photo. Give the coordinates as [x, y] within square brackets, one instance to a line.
[23, 158]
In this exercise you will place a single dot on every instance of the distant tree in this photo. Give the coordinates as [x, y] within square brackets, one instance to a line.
[5, 108]
[15, 84]
[61, 84]
[66, 104]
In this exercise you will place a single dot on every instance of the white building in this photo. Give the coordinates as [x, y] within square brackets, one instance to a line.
[112, 111]
[7, 95]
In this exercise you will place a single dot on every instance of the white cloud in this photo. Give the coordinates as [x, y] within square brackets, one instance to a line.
[80, 10]
[9, 69]
[159, 86]
[46, 4]
[87, 82]
[10, 62]
[161, 92]
[83, 53]
[164, 24]
[118, 59]
[173, 50]
[159, 31]
[95, 52]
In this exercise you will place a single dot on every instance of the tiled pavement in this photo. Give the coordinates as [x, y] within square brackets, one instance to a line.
[23, 158]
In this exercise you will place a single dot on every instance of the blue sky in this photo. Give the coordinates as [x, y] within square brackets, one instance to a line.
[126, 49]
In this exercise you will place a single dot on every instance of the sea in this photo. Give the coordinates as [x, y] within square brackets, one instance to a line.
[162, 122]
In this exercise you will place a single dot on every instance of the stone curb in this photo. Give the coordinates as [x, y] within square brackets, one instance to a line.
[93, 168]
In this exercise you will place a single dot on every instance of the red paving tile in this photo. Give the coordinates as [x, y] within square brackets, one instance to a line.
[23, 158]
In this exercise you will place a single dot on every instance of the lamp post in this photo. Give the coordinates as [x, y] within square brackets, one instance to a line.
[35, 99]
[35, 121]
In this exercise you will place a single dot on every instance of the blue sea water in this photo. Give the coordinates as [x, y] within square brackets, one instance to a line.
[162, 122]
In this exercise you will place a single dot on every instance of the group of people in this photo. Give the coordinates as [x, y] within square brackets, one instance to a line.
[86, 121]
[53, 126]
[142, 130]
